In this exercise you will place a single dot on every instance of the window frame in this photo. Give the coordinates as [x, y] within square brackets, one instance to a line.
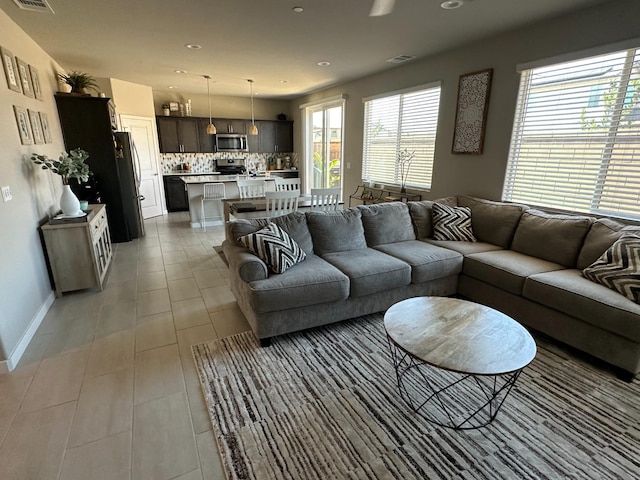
[593, 161]
[400, 140]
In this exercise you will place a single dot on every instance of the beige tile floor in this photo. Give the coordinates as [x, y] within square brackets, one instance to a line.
[107, 389]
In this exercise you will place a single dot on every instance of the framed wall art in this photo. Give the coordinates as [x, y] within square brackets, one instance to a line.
[471, 112]
[22, 120]
[46, 130]
[10, 70]
[35, 81]
[25, 78]
[36, 127]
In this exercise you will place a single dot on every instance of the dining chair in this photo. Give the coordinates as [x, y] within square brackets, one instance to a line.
[325, 198]
[287, 184]
[213, 192]
[282, 202]
[251, 187]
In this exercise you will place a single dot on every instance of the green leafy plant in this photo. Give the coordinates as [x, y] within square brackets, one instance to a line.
[69, 165]
[78, 81]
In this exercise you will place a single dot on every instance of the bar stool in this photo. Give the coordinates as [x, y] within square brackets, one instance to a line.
[213, 192]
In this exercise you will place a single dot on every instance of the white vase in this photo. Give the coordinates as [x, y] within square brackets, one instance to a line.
[69, 203]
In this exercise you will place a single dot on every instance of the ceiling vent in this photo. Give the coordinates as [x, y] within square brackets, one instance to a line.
[400, 59]
[34, 5]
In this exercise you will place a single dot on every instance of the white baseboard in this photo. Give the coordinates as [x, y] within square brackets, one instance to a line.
[11, 363]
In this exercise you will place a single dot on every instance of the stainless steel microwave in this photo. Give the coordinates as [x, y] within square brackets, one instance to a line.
[231, 142]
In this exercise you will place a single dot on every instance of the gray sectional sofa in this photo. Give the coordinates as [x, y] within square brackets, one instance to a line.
[362, 260]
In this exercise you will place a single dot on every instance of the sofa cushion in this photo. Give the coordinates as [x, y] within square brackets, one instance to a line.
[556, 238]
[493, 222]
[452, 223]
[386, 223]
[570, 293]
[421, 215]
[600, 237]
[619, 268]
[370, 271]
[505, 269]
[428, 262]
[275, 247]
[465, 248]
[336, 231]
[310, 283]
[295, 224]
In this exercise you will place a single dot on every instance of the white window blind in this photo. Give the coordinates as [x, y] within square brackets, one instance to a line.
[399, 121]
[576, 136]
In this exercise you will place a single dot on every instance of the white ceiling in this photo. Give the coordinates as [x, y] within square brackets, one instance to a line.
[143, 41]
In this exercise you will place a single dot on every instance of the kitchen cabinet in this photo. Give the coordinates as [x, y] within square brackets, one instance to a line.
[178, 134]
[275, 136]
[89, 123]
[175, 193]
[79, 252]
[207, 142]
[226, 125]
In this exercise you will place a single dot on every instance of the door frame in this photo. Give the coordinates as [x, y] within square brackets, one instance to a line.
[156, 144]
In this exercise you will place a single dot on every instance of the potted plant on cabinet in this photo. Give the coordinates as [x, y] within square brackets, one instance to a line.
[79, 82]
[69, 165]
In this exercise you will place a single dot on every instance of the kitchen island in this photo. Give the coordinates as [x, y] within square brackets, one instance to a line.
[195, 189]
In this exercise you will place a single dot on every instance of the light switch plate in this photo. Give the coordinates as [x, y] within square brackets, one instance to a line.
[6, 193]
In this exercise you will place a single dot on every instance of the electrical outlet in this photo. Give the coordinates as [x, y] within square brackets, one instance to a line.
[348, 165]
[6, 193]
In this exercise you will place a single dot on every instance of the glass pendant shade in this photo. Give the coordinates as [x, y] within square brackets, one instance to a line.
[253, 130]
[211, 129]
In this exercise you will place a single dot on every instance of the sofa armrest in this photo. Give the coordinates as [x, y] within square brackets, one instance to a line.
[249, 267]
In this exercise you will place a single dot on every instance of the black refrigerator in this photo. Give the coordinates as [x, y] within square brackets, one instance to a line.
[89, 123]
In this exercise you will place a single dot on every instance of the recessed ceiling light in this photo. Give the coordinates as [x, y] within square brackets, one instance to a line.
[284, 81]
[180, 71]
[298, 9]
[172, 86]
[451, 4]
[324, 64]
[193, 46]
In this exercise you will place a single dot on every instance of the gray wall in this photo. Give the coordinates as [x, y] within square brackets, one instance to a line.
[25, 290]
[478, 175]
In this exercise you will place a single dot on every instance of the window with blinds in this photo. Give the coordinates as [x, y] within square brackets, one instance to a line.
[576, 136]
[396, 122]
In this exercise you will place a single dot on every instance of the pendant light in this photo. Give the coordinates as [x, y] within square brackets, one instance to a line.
[253, 130]
[211, 128]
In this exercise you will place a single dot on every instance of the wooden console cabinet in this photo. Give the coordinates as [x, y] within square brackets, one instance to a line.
[79, 253]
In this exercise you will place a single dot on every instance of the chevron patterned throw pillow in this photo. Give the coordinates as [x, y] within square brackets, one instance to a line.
[275, 247]
[452, 223]
[619, 268]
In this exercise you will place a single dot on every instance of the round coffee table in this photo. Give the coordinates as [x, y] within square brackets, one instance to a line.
[456, 361]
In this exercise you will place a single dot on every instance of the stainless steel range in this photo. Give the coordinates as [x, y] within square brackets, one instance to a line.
[231, 166]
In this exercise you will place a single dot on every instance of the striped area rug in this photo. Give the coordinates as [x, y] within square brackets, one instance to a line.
[322, 404]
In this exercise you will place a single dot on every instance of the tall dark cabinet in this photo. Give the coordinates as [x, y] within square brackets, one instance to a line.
[89, 123]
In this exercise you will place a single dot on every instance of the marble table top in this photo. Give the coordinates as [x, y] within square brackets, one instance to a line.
[459, 335]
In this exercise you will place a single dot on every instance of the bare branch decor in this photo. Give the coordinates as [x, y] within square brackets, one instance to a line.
[471, 112]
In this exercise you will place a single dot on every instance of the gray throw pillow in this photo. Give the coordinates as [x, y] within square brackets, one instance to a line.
[619, 268]
[386, 223]
[336, 231]
[274, 247]
[452, 223]
[555, 238]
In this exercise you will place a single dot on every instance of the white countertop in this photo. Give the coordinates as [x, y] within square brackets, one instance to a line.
[191, 179]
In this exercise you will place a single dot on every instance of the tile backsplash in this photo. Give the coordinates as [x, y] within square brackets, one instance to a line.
[204, 162]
